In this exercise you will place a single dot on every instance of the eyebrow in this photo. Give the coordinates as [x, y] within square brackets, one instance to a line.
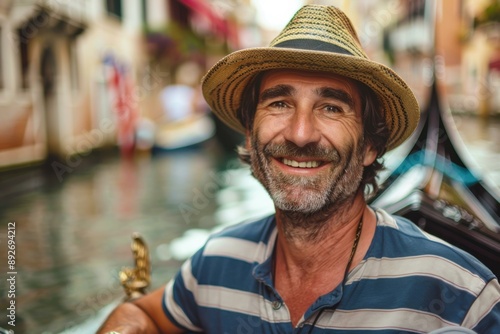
[337, 94]
[326, 92]
[276, 91]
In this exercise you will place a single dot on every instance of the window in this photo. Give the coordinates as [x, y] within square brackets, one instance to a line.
[23, 61]
[73, 62]
[179, 13]
[114, 8]
[144, 9]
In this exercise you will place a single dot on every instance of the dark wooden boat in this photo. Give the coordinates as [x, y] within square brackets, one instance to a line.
[435, 189]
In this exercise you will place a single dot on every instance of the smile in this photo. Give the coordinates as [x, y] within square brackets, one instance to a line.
[301, 164]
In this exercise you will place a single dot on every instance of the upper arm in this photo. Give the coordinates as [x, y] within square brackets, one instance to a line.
[151, 304]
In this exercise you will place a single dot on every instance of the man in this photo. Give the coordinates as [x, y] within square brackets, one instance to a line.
[317, 114]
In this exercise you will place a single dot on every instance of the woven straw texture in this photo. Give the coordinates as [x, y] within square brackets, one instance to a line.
[318, 38]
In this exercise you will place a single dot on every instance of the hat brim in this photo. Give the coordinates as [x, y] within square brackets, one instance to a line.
[224, 83]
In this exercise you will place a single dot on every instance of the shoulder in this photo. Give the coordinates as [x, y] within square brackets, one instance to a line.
[407, 268]
[229, 257]
[399, 239]
[248, 242]
[254, 230]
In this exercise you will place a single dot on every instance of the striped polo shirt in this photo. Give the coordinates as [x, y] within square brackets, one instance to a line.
[408, 282]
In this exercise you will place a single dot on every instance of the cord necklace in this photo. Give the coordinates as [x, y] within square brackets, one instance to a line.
[346, 272]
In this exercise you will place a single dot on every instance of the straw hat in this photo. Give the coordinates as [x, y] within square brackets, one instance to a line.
[318, 38]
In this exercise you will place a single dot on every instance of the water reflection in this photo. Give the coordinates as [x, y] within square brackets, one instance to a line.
[240, 198]
[73, 237]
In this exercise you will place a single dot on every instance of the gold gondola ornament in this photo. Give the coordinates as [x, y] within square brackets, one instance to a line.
[136, 280]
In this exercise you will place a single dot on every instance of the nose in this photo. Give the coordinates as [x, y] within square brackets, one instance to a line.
[302, 127]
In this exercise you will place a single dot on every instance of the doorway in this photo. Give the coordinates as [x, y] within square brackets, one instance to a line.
[48, 77]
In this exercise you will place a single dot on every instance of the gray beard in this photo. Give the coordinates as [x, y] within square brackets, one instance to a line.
[306, 215]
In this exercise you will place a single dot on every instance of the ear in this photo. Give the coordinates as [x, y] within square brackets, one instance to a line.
[370, 155]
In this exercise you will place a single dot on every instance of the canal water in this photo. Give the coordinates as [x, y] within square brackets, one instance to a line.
[73, 228]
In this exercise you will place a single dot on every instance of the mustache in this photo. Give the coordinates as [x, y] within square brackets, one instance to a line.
[311, 150]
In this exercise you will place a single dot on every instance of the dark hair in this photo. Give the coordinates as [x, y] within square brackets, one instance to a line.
[376, 131]
[249, 101]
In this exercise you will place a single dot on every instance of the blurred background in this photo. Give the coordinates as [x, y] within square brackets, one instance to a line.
[103, 131]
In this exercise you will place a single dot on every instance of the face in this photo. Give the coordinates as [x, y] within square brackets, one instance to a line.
[306, 144]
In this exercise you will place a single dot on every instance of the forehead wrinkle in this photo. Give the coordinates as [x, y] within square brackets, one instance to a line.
[337, 94]
[276, 91]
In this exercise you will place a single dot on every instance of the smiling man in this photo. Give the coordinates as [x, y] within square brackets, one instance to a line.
[307, 142]
[318, 115]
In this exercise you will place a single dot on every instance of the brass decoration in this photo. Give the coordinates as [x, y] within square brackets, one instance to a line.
[136, 280]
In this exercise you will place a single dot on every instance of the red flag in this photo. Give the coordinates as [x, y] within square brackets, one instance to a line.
[125, 106]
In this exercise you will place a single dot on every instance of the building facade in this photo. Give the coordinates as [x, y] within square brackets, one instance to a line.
[55, 93]
[76, 75]
[456, 41]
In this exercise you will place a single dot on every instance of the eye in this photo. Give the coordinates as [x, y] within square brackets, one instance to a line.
[278, 104]
[333, 108]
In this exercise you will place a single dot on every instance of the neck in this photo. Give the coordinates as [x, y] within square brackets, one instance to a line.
[312, 244]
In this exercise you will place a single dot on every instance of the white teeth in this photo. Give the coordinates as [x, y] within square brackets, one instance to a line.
[302, 164]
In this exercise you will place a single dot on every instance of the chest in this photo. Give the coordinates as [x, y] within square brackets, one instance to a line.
[299, 296]
[298, 303]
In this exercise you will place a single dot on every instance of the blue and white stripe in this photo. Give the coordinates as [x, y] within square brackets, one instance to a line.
[408, 282]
